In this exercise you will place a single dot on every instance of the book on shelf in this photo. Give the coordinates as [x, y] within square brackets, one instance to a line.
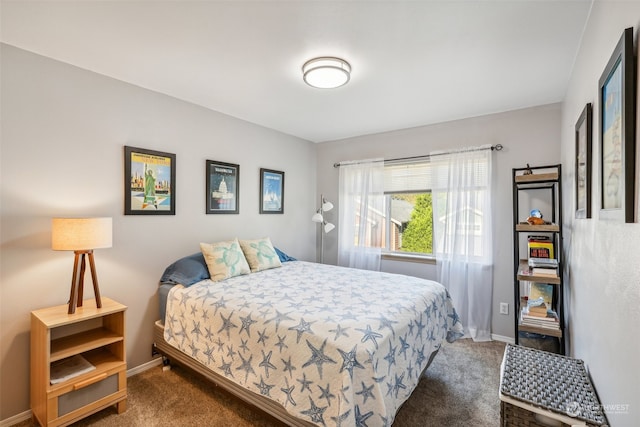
[549, 317]
[64, 369]
[543, 262]
[550, 321]
[555, 325]
[543, 271]
[542, 290]
[540, 311]
[550, 313]
[540, 247]
[540, 238]
[536, 308]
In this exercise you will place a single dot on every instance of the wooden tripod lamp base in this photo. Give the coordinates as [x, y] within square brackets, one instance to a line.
[77, 280]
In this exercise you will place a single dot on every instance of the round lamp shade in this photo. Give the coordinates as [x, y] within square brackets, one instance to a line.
[76, 234]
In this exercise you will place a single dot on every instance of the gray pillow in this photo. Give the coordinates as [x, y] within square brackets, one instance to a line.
[186, 271]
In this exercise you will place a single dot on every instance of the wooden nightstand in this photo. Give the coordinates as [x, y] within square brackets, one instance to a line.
[97, 334]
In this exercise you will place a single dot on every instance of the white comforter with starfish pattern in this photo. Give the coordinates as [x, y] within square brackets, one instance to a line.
[335, 346]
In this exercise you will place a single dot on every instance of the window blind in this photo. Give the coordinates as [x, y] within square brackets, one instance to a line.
[407, 177]
[425, 175]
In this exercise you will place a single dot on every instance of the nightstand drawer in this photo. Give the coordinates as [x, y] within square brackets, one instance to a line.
[83, 396]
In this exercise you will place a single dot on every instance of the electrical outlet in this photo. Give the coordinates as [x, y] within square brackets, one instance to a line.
[504, 308]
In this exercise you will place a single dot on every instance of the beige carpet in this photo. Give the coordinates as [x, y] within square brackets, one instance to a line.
[459, 389]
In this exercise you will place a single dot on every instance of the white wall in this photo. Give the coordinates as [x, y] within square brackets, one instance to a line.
[603, 276]
[529, 136]
[63, 132]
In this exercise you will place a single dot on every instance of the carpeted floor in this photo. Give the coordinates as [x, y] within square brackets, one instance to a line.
[459, 389]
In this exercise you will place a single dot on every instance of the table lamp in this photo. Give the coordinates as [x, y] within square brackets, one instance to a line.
[82, 236]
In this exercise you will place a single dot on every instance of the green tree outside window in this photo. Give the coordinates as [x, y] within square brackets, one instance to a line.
[418, 235]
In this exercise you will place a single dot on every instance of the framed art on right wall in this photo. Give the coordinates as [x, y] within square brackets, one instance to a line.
[616, 132]
[583, 163]
[637, 138]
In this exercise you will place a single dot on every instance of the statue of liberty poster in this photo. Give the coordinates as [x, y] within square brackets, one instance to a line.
[149, 182]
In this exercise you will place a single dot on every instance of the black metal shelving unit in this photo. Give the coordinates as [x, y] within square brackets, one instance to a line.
[546, 178]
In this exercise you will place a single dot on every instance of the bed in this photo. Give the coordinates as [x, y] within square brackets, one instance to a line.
[311, 344]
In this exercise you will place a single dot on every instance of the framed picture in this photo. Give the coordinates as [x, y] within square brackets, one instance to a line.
[617, 127]
[637, 138]
[223, 188]
[583, 163]
[149, 182]
[271, 191]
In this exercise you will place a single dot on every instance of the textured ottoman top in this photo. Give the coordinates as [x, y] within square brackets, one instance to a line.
[550, 381]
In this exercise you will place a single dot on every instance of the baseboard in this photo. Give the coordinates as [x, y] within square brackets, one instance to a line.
[502, 338]
[133, 371]
[145, 366]
[16, 419]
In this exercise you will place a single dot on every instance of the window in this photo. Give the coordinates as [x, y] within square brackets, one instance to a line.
[410, 192]
[409, 222]
[408, 218]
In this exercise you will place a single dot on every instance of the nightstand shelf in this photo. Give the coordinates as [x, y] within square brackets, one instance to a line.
[82, 342]
[97, 334]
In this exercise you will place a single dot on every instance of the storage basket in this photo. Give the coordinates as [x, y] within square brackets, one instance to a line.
[515, 416]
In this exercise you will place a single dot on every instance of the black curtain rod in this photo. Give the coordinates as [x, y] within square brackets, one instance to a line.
[497, 147]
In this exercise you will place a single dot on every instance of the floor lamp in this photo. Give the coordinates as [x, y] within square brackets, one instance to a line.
[82, 236]
[326, 226]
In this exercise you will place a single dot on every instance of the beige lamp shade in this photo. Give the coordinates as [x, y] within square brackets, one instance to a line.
[77, 234]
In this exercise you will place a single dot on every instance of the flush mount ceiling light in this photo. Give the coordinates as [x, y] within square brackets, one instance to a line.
[326, 72]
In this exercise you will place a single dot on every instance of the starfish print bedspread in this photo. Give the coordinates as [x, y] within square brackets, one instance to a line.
[334, 346]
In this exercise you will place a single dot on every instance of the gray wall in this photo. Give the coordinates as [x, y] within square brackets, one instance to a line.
[63, 132]
[529, 136]
[603, 276]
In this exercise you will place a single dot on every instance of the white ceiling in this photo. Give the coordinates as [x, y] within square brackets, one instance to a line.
[414, 62]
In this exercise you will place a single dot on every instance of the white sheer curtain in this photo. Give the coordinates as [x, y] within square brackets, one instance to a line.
[463, 234]
[361, 227]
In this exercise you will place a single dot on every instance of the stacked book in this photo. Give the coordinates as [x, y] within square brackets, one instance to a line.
[537, 314]
[540, 247]
[543, 267]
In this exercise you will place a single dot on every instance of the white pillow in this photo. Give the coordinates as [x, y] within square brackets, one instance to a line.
[260, 254]
[224, 259]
